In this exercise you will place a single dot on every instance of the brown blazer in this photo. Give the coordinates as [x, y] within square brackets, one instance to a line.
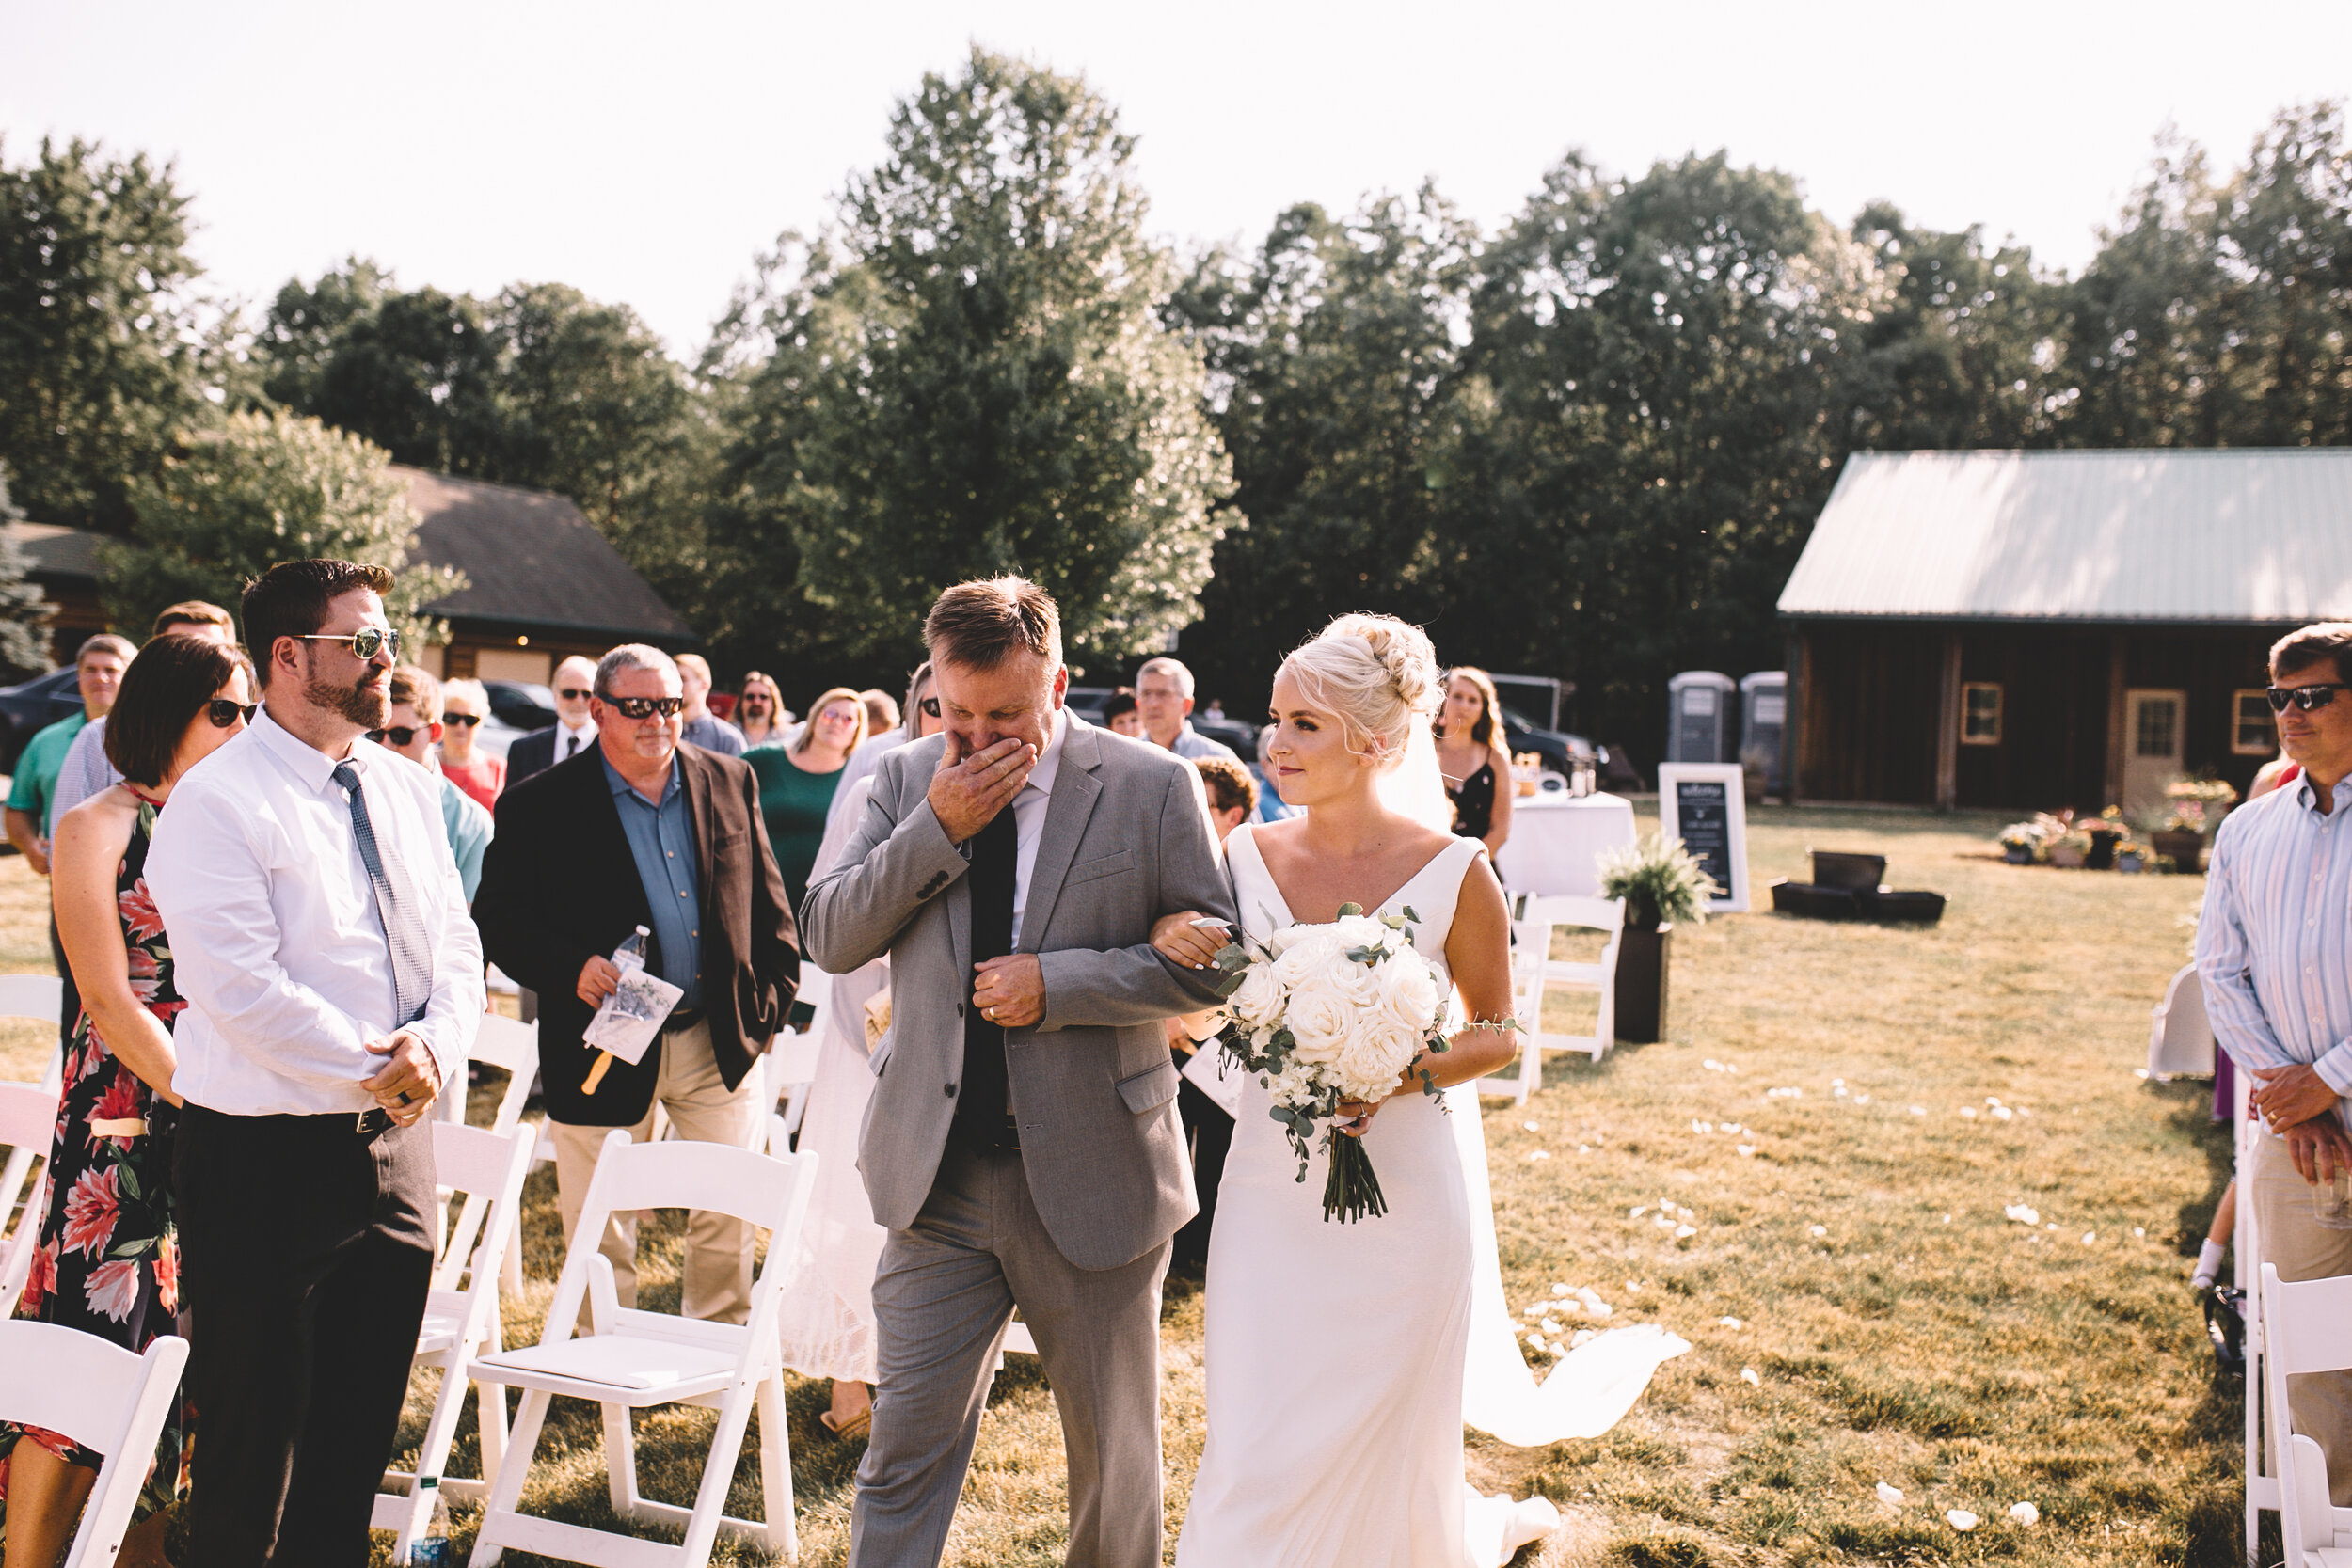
[558, 885]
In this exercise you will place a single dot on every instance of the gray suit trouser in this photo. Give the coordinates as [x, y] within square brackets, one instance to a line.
[943, 1294]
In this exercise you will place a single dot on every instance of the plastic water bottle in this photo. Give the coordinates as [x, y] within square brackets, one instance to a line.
[631, 953]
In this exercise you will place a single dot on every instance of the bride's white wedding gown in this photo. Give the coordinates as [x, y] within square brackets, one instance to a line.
[1335, 1353]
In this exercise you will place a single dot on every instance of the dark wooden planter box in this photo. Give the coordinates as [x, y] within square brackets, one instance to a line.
[2185, 848]
[1641, 963]
[2103, 850]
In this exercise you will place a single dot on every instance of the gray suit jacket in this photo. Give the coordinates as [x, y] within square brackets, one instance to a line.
[1126, 841]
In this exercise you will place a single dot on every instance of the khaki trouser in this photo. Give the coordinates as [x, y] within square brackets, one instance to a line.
[718, 1282]
[2321, 1402]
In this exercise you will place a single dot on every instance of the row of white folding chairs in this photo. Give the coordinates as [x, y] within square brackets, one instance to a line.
[1535, 973]
[29, 1120]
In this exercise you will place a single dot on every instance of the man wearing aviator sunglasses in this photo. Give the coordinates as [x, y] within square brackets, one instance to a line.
[2274, 957]
[643, 831]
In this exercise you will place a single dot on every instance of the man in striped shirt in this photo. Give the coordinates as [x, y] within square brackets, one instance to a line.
[2274, 950]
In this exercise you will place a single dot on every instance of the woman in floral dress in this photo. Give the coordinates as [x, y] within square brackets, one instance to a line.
[108, 1262]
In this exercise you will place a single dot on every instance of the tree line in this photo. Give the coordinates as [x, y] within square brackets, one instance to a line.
[1588, 442]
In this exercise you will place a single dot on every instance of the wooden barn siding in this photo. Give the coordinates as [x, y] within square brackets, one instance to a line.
[1869, 700]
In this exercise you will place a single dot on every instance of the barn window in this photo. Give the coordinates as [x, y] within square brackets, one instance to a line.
[2252, 732]
[1981, 714]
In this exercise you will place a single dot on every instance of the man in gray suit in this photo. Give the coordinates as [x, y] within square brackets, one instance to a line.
[1022, 1145]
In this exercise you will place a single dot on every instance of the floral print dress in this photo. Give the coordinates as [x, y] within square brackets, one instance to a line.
[108, 1260]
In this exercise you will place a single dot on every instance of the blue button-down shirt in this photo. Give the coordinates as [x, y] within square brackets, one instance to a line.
[2274, 943]
[662, 840]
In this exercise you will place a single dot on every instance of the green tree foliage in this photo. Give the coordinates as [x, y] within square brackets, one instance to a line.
[2219, 313]
[266, 488]
[542, 388]
[104, 352]
[23, 610]
[969, 377]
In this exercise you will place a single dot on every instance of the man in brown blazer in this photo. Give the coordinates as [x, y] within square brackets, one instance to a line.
[643, 830]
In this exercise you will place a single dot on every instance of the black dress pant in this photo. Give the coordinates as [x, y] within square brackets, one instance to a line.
[307, 1248]
[1210, 1131]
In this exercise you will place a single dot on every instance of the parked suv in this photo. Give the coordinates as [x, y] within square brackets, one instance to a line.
[31, 707]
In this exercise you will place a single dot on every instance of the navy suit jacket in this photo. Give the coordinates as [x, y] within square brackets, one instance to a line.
[533, 754]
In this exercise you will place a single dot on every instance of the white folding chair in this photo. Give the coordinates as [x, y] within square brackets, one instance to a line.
[636, 1359]
[102, 1397]
[2263, 1488]
[28, 1125]
[1535, 973]
[39, 998]
[2309, 1329]
[2180, 1040]
[792, 1059]
[500, 1043]
[461, 1322]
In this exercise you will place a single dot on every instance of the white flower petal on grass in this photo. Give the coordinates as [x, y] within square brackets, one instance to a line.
[2089, 1237]
[2139, 1072]
[1539, 1154]
[1862, 1099]
[1960, 1519]
[1534, 1341]
[1559, 1289]
[2024, 1514]
[1818, 1231]
[1664, 1222]
[1730, 1322]
[1969, 1111]
[1684, 1232]
[1918, 1110]
[1892, 1496]
[1636, 1212]
[1993, 1099]
[1533, 1126]
[2001, 1113]
[1733, 1128]
[1583, 1149]
[1747, 1375]
[1552, 1326]
[1746, 1150]
[1584, 1336]
[2140, 1232]
[2023, 1214]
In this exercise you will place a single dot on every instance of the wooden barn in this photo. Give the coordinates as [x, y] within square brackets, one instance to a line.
[2033, 630]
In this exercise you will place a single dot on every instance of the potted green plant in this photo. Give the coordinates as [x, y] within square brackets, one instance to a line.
[1662, 884]
[2071, 850]
[2193, 808]
[2019, 840]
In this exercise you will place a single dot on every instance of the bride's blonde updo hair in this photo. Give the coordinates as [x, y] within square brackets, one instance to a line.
[1379, 675]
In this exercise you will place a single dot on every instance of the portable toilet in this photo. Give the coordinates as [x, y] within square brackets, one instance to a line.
[1701, 722]
[1764, 713]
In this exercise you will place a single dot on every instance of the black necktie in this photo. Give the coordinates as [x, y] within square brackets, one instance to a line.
[397, 901]
[983, 1105]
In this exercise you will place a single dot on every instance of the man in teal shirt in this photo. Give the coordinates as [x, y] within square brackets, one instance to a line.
[33, 790]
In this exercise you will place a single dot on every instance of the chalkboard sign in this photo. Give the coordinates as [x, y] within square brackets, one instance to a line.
[1705, 806]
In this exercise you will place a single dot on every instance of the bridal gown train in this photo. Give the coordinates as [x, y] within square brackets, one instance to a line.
[1336, 1352]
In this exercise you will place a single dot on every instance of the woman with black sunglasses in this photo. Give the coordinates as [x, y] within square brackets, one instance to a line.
[108, 1257]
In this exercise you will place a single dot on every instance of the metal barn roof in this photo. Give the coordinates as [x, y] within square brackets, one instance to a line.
[2247, 535]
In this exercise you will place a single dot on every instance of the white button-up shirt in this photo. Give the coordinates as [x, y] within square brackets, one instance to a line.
[570, 742]
[1029, 817]
[277, 940]
[2274, 942]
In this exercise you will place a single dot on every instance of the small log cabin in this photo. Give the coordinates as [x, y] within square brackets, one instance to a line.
[2035, 630]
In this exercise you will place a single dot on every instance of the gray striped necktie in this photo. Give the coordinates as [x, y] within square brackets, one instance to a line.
[396, 901]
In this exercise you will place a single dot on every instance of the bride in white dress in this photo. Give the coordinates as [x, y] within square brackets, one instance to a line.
[1335, 1352]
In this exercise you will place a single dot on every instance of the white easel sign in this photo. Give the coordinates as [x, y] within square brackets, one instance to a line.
[1706, 805]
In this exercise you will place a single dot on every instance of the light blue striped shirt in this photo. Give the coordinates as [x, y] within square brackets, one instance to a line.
[2274, 944]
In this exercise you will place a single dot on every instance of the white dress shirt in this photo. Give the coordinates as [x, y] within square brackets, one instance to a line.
[570, 742]
[85, 771]
[277, 940]
[1029, 817]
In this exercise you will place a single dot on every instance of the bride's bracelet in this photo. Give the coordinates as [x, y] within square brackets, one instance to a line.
[1507, 1025]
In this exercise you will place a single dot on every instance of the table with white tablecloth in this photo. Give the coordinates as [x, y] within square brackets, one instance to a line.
[1556, 838]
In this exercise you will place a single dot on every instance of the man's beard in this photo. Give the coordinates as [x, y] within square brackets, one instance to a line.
[365, 705]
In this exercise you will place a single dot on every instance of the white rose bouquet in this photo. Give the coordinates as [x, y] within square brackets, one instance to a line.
[1322, 1014]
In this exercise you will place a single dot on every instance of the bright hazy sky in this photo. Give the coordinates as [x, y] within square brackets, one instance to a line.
[645, 152]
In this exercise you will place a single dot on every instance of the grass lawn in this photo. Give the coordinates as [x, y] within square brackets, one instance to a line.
[1898, 1328]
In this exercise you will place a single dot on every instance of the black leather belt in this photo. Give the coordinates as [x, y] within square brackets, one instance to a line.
[368, 1123]
[683, 1020]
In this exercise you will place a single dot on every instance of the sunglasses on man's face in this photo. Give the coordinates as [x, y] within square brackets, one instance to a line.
[574, 693]
[2304, 697]
[463, 721]
[930, 707]
[364, 644]
[646, 707]
[223, 712]
[399, 734]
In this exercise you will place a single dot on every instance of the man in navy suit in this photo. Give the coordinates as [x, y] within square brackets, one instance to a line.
[574, 731]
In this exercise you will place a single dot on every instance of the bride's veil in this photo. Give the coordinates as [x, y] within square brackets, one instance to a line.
[1415, 788]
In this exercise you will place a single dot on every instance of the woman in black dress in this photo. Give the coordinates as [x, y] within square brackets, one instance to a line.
[1472, 757]
[107, 1262]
